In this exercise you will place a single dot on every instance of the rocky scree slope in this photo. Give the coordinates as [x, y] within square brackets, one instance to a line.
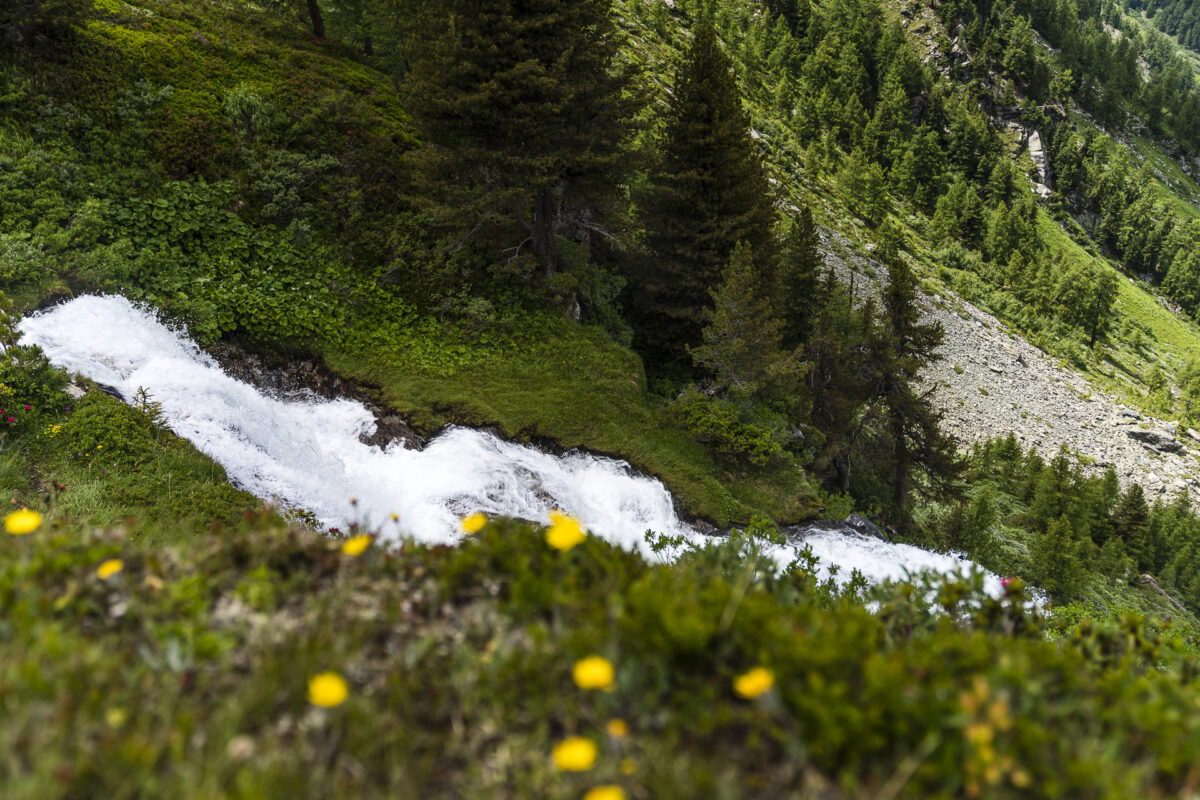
[989, 382]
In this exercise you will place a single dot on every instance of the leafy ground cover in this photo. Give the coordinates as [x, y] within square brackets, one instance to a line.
[137, 668]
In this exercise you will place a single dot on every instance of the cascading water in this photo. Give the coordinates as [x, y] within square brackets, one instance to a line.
[305, 451]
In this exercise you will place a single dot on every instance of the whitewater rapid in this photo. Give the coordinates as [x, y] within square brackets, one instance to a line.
[305, 452]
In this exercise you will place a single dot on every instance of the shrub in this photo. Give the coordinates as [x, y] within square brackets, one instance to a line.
[722, 424]
[28, 23]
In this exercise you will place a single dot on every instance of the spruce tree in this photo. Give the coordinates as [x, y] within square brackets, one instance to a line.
[839, 383]
[917, 444]
[709, 192]
[742, 339]
[1057, 564]
[523, 114]
[799, 278]
[1131, 523]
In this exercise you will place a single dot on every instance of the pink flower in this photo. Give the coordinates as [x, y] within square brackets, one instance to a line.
[1006, 582]
[28, 408]
[10, 419]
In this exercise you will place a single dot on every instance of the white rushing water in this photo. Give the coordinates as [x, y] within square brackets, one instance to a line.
[305, 452]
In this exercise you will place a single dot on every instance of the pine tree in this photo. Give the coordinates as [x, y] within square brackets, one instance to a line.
[709, 192]
[977, 537]
[1057, 564]
[1131, 523]
[524, 114]
[838, 382]
[918, 445]
[1086, 296]
[799, 273]
[959, 215]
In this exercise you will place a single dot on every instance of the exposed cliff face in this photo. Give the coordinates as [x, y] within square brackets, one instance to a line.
[989, 382]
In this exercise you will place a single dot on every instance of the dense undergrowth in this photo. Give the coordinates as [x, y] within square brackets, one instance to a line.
[184, 674]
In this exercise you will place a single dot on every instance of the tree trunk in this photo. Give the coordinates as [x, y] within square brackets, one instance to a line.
[543, 228]
[842, 465]
[900, 448]
[318, 24]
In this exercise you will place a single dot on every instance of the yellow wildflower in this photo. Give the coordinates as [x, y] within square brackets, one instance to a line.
[564, 532]
[327, 689]
[356, 544]
[575, 754]
[109, 568]
[474, 523]
[115, 717]
[605, 793]
[617, 728]
[754, 683]
[19, 523]
[593, 672]
[628, 766]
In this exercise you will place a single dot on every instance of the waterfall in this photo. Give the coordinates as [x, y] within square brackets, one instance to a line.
[305, 452]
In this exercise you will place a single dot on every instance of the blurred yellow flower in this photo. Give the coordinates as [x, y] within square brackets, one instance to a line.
[355, 545]
[628, 766]
[593, 672]
[474, 523]
[115, 717]
[564, 532]
[754, 683]
[575, 754]
[605, 793]
[327, 689]
[617, 728]
[109, 568]
[19, 523]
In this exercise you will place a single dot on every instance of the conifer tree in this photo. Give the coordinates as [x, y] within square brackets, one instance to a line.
[709, 192]
[959, 215]
[1131, 523]
[1057, 564]
[799, 272]
[1087, 297]
[838, 382]
[742, 339]
[917, 444]
[523, 113]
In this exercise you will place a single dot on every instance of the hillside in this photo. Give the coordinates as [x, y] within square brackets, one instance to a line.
[929, 262]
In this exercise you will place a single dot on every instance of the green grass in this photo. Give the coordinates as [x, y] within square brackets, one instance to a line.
[568, 386]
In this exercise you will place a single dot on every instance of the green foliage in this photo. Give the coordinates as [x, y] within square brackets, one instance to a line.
[723, 424]
[799, 274]
[741, 347]
[486, 633]
[524, 114]
[40, 24]
[1058, 561]
[708, 193]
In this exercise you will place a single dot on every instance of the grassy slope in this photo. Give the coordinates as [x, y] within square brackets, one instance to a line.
[184, 675]
[568, 385]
